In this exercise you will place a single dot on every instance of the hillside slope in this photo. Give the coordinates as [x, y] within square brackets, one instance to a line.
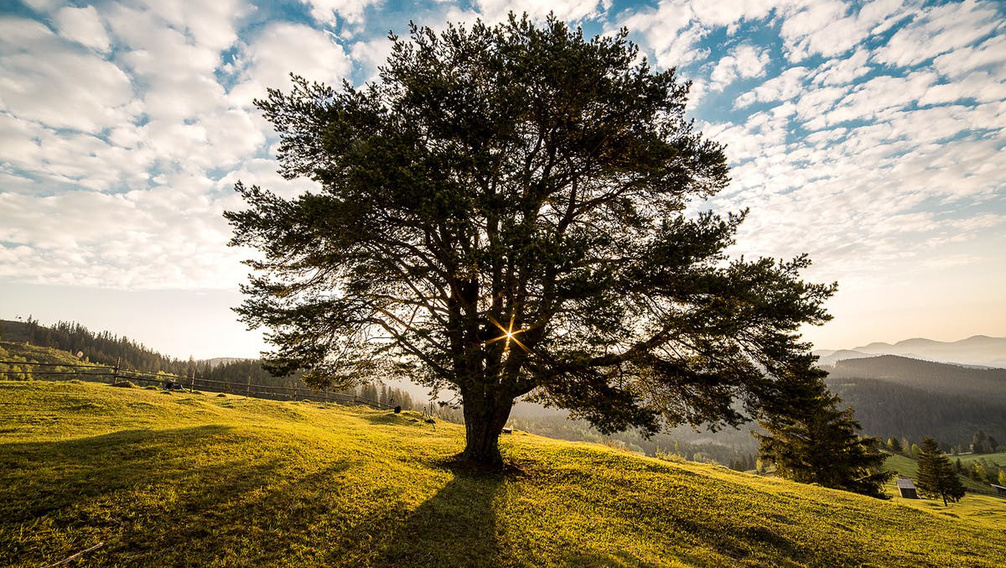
[199, 480]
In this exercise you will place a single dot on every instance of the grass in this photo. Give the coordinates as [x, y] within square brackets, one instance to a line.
[997, 458]
[201, 480]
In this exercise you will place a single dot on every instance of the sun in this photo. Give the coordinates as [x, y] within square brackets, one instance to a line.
[509, 334]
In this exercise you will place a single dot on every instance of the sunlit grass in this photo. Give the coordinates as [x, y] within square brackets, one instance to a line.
[207, 480]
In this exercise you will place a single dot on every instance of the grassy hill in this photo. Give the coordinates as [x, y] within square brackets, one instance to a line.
[204, 480]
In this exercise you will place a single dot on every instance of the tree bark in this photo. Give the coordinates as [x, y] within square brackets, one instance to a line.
[485, 417]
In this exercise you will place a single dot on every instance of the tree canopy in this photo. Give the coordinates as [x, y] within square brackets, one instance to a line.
[510, 211]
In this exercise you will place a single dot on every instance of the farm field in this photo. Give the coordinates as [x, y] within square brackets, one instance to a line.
[205, 480]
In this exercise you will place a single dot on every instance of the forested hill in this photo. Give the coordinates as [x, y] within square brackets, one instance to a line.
[927, 375]
[901, 397]
[96, 347]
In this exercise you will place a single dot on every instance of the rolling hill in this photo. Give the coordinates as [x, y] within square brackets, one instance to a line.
[198, 480]
[984, 384]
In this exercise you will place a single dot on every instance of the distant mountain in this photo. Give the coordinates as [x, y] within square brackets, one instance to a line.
[978, 350]
[829, 358]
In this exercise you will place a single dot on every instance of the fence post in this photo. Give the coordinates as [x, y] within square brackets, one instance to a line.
[248, 390]
[296, 389]
[115, 372]
[192, 380]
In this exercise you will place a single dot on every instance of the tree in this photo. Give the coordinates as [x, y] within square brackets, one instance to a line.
[936, 474]
[1002, 477]
[503, 214]
[811, 440]
[894, 445]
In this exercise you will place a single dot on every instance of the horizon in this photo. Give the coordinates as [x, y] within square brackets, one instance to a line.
[868, 135]
[147, 345]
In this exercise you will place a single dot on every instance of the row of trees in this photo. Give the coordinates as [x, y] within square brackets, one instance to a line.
[981, 443]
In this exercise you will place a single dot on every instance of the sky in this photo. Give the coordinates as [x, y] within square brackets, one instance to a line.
[870, 135]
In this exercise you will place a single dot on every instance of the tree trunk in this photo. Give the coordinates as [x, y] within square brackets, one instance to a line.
[484, 421]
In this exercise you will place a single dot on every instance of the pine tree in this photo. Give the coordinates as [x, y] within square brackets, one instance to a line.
[894, 445]
[811, 440]
[936, 474]
[505, 211]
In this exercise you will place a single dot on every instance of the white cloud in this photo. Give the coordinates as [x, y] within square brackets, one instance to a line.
[989, 55]
[45, 79]
[729, 12]
[785, 86]
[979, 86]
[745, 61]
[329, 11]
[212, 25]
[939, 29]
[843, 70]
[568, 10]
[283, 48]
[852, 158]
[668, 31]
[82, 25]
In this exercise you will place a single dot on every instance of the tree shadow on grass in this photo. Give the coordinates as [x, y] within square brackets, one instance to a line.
[456, 527]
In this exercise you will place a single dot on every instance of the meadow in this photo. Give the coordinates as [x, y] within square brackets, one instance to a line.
[171, 479]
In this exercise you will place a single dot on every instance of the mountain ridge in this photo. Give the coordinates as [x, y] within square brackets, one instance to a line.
[976, 350]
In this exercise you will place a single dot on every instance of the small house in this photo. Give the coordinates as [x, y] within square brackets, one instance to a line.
[907, 488]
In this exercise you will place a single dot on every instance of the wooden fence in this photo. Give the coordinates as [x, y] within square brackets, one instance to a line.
[113, 374]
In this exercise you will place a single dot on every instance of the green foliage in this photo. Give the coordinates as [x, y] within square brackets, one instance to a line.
[811, 440]
[503, 213]
[936, 476]
[1002, 477]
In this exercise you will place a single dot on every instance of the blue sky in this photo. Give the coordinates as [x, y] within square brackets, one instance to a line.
[870, 135]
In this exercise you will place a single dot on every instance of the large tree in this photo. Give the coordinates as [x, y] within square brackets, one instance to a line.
[811, 439]
[505, 213]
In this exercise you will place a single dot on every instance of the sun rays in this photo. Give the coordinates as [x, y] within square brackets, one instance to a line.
[509, 334]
